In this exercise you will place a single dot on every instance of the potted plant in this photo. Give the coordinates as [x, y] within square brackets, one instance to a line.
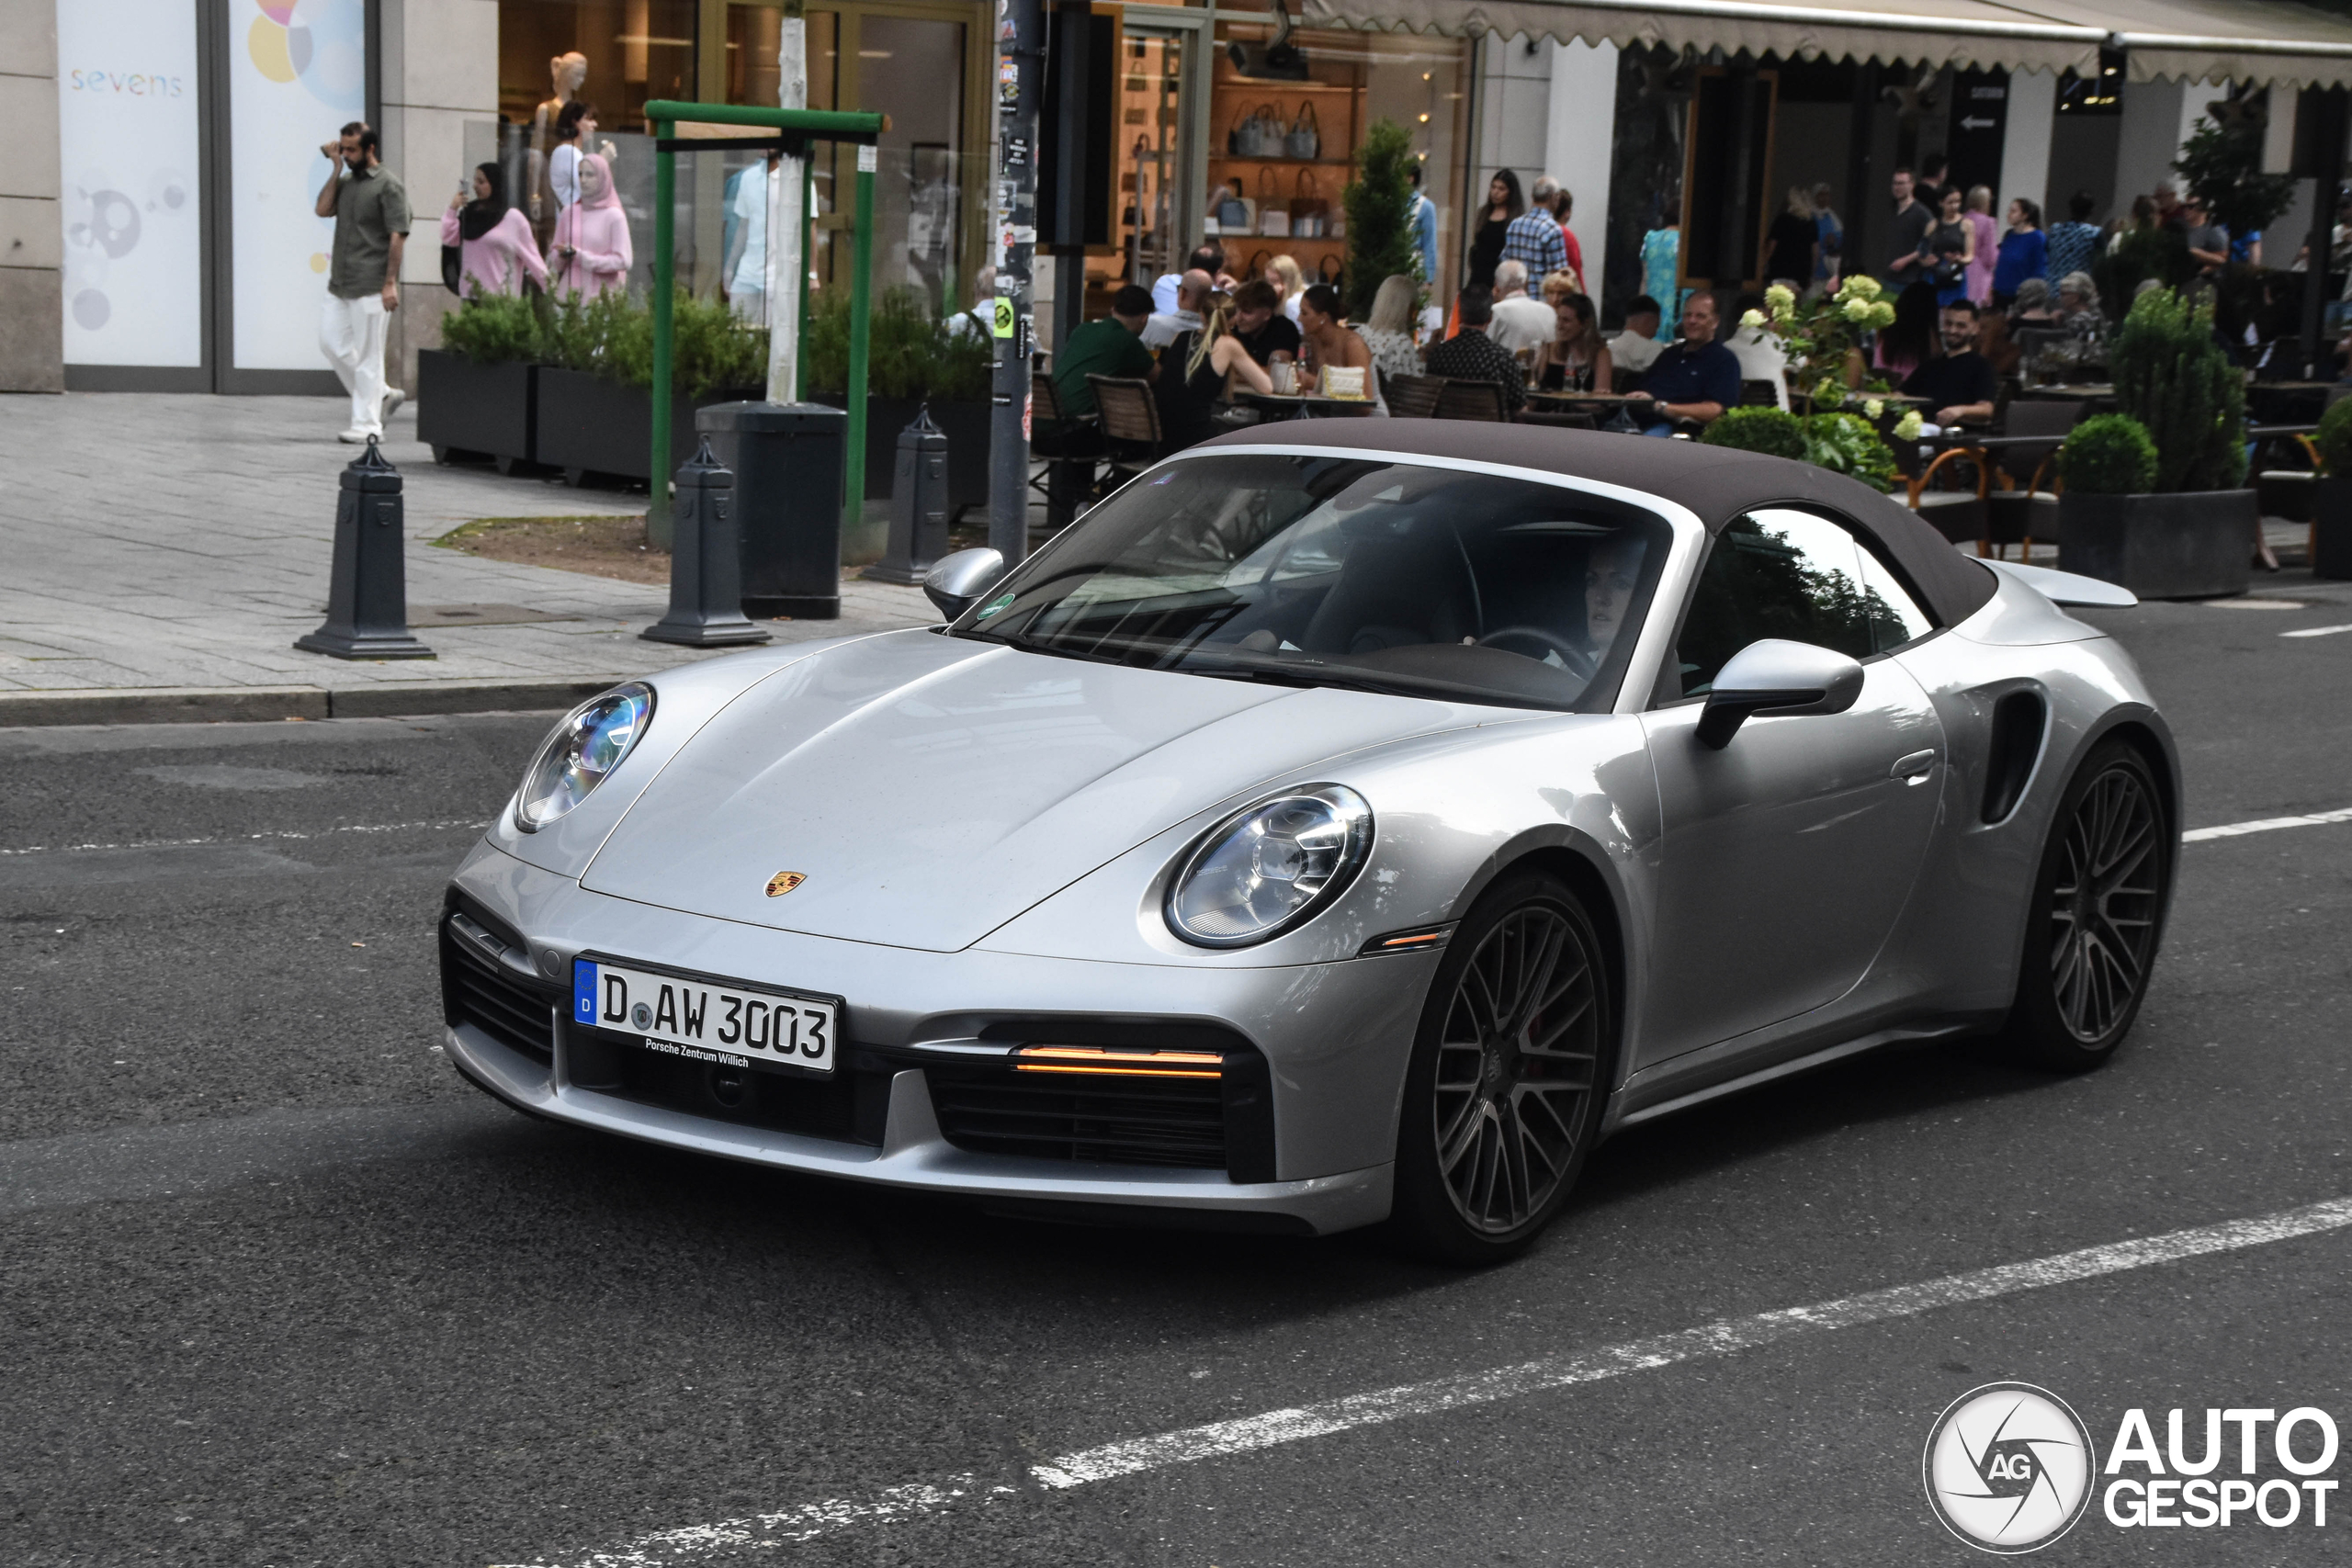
[2188, 530]
[596, 399]
[475, 395]
[1842, 443]
[1379, 204]
[2331, 494]
[1773, 432]
[914, 360]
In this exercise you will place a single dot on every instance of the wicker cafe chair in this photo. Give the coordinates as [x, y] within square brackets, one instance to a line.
[1472, 399]
[2014, 517]
[1071, 446]
[1411, 396]
[1130, 421]
[1957, 513]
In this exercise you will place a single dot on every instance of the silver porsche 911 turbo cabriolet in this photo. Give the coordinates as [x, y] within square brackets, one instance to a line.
[1347, 821]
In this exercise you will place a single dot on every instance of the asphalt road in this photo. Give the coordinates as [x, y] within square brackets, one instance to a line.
[275, 1288]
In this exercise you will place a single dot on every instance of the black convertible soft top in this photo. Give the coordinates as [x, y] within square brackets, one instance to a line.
[1716, 483]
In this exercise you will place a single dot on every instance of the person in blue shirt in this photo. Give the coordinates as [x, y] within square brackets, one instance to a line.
[1422, 216]
[1696, 380]
[2025, 252]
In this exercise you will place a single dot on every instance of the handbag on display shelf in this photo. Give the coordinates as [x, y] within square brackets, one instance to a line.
[1273, 217]
[1260, 260]
[1304, 137]
[1310, 215]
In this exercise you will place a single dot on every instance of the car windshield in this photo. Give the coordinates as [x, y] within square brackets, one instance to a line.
[1383, 576]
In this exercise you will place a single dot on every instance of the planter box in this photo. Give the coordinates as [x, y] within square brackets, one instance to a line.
[967, 425]
[469, 409]
[588, 425]
[2331, 528]
[2196, 546]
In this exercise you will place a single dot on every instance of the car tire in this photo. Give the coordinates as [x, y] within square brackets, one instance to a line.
[2090, 943]
[1506, 1082]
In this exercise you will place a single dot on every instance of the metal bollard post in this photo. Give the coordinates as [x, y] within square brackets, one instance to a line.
[918, 503]
[706, 561]
[368, 594]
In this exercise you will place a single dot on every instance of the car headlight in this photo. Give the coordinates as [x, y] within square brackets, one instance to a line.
[584, 747]
[1271, 866]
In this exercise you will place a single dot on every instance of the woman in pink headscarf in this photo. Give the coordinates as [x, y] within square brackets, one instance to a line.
[495, 249]
[591, 251]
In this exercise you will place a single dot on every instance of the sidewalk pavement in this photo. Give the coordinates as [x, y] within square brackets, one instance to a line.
[159, 554]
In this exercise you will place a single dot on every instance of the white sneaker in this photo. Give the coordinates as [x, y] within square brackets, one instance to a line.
[356, 436]
[393, 401]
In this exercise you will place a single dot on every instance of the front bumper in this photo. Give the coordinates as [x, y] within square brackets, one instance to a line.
[1334, 1039]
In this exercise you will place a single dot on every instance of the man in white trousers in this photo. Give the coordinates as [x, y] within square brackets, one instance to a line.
[371, 219]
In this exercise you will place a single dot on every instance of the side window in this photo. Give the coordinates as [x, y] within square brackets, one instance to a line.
[1793, 575]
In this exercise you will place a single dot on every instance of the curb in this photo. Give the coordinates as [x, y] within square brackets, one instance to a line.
[221, 704]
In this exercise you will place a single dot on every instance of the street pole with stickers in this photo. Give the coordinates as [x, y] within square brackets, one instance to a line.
[1020, 58]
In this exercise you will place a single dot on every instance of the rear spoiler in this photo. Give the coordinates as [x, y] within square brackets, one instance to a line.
[2067, 587]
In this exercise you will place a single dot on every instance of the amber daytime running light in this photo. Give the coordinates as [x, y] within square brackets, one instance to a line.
[1097, 1061]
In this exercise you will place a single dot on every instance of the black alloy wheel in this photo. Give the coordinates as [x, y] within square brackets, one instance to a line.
[2097, 911]
[1505, 1092]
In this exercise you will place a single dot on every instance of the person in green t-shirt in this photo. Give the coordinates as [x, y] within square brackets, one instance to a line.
[1112, 346]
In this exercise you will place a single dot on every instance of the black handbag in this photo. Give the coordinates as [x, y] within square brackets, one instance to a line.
[452, 268]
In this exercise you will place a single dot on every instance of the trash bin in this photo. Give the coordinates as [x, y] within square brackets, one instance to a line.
[789, 461]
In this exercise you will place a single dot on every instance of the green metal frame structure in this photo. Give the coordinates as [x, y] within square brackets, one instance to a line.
[793, 128]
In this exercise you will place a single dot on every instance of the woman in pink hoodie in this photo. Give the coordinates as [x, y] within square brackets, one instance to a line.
[591, 251]
[495, 249]
[1988, 244]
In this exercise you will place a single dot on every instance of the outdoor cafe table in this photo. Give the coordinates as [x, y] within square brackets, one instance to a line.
[1304, 405]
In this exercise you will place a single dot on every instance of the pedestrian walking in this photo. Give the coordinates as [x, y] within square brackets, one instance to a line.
[371, 222]
[2024, 252]
[1534, 236]
[1947, 250]
[1913, 219]
[2072, 241]
[1662, 259]
[1422, 216]
[1986, 235]
[495, 249]
[1504, 205]
[1829, 239]
[1564, 207]
[592, 245]
[1790, 246]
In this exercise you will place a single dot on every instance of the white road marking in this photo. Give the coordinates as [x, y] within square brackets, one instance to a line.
[2266, 825]
[669, 1549]
[250, 838]
[2317, 631]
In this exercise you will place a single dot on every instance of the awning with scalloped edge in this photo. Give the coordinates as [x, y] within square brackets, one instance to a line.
[2242, 40]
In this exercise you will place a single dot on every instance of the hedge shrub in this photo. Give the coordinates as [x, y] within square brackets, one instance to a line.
[2108, 454]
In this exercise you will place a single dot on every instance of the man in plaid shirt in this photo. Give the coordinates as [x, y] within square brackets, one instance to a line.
[1534, 236]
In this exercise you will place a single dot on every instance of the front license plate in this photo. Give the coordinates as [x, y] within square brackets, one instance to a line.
[704, 1019]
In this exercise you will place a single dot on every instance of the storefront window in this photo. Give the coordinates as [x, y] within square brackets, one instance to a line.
[1281, 149]
[629, 51]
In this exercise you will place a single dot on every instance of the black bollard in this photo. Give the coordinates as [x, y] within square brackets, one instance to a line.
[918, 503]
[367, 597]
[706, 561]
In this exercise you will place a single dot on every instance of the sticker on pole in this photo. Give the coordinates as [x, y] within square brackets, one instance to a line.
[1001, 322]
[867, 161]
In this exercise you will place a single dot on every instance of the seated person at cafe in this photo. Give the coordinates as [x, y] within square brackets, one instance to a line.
[1696, 380]
[1197, 371]
[1193, 291]
[1329, 342]
[1260, 325]
[1959, 383]
[1636, 348]
[1471, 356]
[1112, 346]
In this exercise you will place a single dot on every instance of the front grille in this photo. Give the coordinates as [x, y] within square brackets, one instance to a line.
[848, 1107]
[476, 989]
[1118, 1122]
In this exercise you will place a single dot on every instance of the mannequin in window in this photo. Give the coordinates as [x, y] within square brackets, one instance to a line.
[567, 73]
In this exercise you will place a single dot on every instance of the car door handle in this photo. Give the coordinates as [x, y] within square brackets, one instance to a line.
[1914, 767]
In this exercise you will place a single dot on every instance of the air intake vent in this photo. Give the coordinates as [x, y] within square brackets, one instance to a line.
[2019, 719]
[478, 989]
[1204, 1110]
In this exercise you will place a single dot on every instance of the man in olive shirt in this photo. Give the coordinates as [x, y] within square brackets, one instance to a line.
[1112, 346]
[370, 212]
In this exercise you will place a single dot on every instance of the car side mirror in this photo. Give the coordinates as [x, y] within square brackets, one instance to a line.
[959, 580]
[1776, 677]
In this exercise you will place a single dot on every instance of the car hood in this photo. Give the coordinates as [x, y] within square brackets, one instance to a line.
[928, 788]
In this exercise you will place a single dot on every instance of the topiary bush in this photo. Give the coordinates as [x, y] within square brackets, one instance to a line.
[495, 328]
[1773, 432]
[2334, 439]
[2173, 376]
[2108, 454]
[1379, 204]
[1847, 444]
